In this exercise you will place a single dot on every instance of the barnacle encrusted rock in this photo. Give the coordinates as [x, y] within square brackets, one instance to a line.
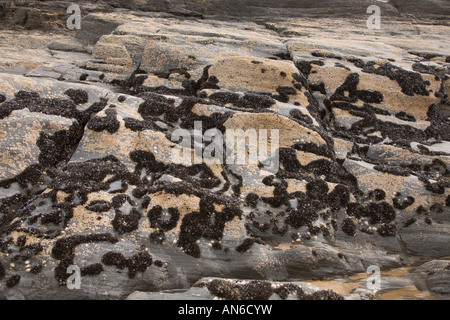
[90, 121]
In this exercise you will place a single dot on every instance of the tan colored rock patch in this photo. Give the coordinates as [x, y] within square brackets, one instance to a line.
[160, 57]
[121, 143]
[295, 186]
[342, 147]
[306, 158]
[394, 99]
[235, 229]
[154, 81]
[332, 77]
[239, 73]
[235, 71]
[184, 203]
[20, 132]
[290, 132]
[392, 184]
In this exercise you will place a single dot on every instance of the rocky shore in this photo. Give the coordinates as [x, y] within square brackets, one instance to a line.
[87, 176]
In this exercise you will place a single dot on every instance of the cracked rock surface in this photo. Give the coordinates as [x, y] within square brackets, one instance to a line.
[87, 176]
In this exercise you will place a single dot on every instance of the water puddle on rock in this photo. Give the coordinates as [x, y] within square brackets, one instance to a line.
[408, 293]
[396, 284]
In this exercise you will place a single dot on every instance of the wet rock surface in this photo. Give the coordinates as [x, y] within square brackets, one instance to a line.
[88, 177]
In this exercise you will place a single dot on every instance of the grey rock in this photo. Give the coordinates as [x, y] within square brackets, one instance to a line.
[191, 294]
[251, 8]
[433, 276]
[89, 177]
[439, 283]
[227, 289]
[422, 9]
[432, 266]
[421, 240]
[94, 27]
[61, 46]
